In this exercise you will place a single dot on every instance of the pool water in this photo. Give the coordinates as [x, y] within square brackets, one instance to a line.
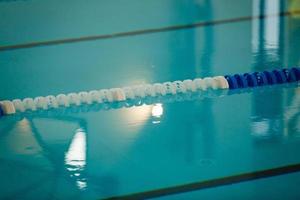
[158, 150]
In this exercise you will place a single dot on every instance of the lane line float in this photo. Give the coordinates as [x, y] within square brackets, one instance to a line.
[227, 82]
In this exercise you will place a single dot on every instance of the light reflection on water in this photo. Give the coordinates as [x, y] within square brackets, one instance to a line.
[75, 158]
[266, 128]
[157, 112]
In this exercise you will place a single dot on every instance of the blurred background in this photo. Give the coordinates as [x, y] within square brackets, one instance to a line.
[52, 47]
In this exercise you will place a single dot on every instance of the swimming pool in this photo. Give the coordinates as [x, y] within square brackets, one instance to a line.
[169, 150]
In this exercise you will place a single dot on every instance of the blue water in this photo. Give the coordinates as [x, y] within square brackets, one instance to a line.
[95, 155]
[35, 20]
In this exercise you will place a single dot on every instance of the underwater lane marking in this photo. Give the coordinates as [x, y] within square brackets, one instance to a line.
[142, 32]
[211, 183]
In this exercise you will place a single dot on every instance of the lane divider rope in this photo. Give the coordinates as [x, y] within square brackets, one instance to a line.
[179, 97]
[228, 82]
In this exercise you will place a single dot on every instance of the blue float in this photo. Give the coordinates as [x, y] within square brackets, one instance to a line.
[255, 79]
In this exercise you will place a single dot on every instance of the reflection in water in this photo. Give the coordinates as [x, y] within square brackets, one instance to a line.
[265, 33]
[292, 116]
[267, 45]
[20, 140]
[255, 26]
[75, 158]
[260, 128]
[292, 111]
[269, 49]
[205, 122]
[266, 128]
[157, 112]
[136, 116]
[272, 24]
